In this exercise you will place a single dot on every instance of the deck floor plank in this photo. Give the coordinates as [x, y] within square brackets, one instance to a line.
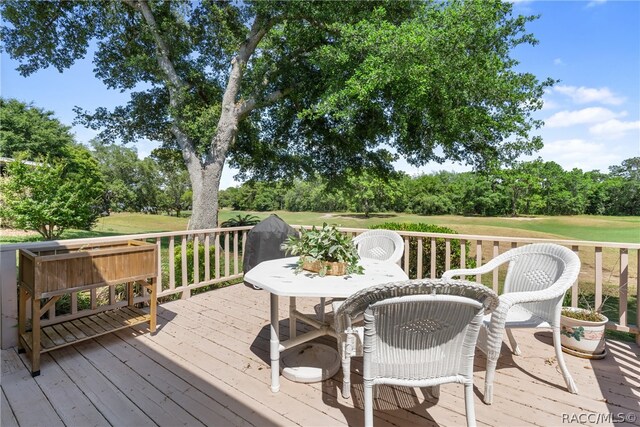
[71, 404]
[237, 343]
[154, 403]
[29, 404]
[174, 381]
[7, 419]
[208, 364]
[114, 405]
[209, 370]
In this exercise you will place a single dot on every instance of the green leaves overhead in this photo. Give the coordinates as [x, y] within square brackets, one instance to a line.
[282, 89]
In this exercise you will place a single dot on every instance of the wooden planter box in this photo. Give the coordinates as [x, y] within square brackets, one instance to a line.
[50, 273]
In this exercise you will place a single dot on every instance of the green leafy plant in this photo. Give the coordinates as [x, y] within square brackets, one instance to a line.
[241, 221]
[326, 244]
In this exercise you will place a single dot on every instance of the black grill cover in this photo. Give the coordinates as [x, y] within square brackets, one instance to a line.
[264, 240]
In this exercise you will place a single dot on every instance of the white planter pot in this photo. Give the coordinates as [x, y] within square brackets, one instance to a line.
[582, 337]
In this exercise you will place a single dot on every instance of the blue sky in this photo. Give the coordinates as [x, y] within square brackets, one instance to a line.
[592, 116]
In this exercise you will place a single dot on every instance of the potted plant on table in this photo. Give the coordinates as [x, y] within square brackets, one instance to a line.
[325, 251]
[582, 332]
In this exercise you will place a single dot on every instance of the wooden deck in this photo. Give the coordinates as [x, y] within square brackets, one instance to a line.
[208, 365]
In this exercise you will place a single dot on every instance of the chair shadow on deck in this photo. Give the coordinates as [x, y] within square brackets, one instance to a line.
[508, 360]
[398, 405]
[394, 401]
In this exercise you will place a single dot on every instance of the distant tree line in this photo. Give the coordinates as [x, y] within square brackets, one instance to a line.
[528, 188]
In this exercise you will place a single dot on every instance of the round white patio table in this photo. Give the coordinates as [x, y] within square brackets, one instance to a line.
[278, 277]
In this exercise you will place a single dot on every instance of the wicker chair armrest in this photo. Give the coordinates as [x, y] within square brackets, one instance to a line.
[486, 268]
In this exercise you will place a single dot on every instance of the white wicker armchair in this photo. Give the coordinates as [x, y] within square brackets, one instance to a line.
[537, 278]
[418, 333]
[380, 245]
[383, 245]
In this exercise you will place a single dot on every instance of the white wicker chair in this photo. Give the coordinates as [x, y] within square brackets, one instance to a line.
[383, 245]
[537, 278]
[418, 333]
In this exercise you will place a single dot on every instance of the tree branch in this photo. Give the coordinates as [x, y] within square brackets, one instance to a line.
[249, 105]
[162, 50]
[175, 84]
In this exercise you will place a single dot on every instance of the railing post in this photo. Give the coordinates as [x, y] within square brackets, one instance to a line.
[638, 294]
[598, 277]
[623, 286]
[575, 287]
[420, 256]
[8, 299]
[434, 252]
[496, 252]
[478, 259]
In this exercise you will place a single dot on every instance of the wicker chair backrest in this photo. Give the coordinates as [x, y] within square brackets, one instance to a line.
[382, 245]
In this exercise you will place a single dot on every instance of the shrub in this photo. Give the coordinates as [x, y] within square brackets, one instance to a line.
[426, 248]
[201, 259]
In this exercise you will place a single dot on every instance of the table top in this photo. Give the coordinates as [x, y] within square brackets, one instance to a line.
[278, 277]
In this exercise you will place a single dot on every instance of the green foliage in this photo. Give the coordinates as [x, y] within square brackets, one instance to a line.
[241, 221]
[31, 130]
[528, 188]
[119, 166]
[286, 89]
[426, 248]
[53, 195]
[201, 263]
[324, 244]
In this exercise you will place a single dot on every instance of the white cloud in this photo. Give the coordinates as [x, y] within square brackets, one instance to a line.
[558, 61]
[586, 115]
[614, 129]
[578, 153]
[593, 3]
[549, 104]
[585, 95]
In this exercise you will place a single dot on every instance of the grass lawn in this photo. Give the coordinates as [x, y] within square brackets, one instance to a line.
[582, 227]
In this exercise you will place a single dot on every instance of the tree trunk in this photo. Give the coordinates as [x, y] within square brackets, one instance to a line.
[205, 183]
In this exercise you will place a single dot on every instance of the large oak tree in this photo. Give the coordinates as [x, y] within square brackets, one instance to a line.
[287, 88]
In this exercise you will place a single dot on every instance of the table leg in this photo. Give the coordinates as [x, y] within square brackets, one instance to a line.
[293, 332]
[275, 345]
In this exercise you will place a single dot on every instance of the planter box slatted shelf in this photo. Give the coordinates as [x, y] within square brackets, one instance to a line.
[50, 273]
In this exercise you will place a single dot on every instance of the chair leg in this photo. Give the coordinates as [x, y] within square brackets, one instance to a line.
[571, 385]
[469, 404]
[514, 344]
[346, 376]
[368, 403]
[435, 391]
[492, 362]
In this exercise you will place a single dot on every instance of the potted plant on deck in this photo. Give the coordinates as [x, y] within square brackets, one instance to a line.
[582, 332]
[326, 251]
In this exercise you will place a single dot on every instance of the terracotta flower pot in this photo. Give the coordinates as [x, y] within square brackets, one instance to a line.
[582, 337]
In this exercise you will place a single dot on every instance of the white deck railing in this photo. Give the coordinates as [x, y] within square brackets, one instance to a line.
[606, 268]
